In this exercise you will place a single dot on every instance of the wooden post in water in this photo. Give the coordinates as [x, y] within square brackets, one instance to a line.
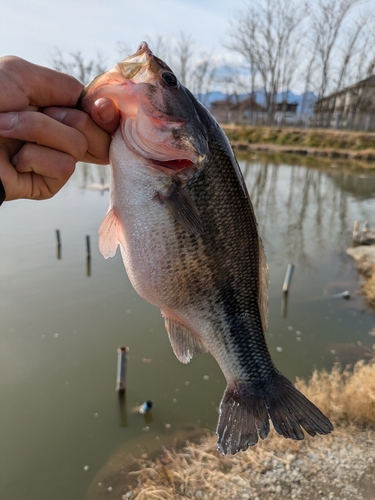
[288, 277]
[88, 247]
[58, 238]
[122, 358]
[284, 302]
[88, 256]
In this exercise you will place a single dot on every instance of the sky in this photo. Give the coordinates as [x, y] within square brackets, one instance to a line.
[33, 29]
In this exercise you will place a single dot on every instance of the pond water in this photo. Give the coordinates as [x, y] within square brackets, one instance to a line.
[61, 420]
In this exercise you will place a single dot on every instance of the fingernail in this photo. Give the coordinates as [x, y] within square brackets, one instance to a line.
[57, 114]
[8, 120]
[106, 112]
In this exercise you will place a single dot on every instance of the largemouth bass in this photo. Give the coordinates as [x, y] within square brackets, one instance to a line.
[182, 216]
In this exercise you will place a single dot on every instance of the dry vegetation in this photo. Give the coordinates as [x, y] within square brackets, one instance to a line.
[368, 271]
[351, 145]
[365, 258]
[340, 465]
[369, 287]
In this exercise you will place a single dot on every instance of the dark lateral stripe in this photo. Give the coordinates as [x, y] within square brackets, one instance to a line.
[2, 192]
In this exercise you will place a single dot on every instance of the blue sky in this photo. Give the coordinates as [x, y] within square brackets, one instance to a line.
[33, 28]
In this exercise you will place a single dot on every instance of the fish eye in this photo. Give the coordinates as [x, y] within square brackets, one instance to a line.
[169, 79]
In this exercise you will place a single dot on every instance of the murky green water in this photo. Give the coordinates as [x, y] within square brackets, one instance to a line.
[60, 417]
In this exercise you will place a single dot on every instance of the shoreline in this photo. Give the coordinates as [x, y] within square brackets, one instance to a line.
[364, 256]
[334, 144]
[365, 155]
[339, 465]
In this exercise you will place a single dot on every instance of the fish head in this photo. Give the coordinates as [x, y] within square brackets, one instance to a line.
[159, 119]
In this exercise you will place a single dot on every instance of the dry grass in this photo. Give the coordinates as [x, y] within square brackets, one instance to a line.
[367, 269]
[369, 286]
[346, 397]
[199, 471]
[308, 138]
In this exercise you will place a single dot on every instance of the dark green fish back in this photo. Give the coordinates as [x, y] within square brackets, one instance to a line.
[234, 253]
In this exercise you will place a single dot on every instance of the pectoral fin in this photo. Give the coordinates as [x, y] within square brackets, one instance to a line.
[184, 343]
[183, 209]
[110, 234]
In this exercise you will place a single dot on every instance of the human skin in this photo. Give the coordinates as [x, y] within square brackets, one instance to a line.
[42, 135]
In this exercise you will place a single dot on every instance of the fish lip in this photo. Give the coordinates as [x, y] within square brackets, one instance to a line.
[144, 48]
[142, 55]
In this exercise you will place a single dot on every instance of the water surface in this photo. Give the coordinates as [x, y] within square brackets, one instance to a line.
[60, 418]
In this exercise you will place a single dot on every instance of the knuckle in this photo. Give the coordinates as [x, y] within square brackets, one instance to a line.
[81, 147]
[25, 154]
[67, 166]
[10, 64]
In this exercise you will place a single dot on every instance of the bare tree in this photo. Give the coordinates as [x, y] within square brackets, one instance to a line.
[159, 44]
[364, 63]
[76, 65]
[182, 57]
[203, 77]
[327, 19]
[349, 49]
[266, 34]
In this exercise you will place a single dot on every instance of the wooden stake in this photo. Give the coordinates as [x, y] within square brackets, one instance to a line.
[122, 358]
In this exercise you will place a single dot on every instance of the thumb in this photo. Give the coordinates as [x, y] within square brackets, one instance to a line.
[105, 113]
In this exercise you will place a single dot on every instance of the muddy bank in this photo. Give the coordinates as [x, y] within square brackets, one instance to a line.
[341, 465]
[365, 258]
[354, 146]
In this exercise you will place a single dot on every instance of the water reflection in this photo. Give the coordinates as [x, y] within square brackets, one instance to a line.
[296, 205]
[93, 175]
[60, 411]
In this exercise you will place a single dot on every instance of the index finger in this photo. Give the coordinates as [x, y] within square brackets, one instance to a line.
[37, 85]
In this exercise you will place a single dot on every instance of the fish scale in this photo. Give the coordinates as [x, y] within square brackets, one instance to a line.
[181, 214]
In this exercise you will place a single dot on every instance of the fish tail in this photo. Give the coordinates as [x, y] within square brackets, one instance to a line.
[245, 410]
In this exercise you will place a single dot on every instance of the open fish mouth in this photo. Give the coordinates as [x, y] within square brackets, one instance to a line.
[174, 165]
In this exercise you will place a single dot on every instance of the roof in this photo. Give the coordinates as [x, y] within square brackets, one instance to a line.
[370, 81]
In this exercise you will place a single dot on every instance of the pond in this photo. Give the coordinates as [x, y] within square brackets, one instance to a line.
[61, 420]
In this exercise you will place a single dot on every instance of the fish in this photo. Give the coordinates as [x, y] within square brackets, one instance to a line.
[183, 219]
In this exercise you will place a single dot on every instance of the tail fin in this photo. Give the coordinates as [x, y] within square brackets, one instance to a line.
[245, 410]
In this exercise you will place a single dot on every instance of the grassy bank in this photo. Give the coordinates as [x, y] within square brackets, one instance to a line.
[317, 142]
[341, 465]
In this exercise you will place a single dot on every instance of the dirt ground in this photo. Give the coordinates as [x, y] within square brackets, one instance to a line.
[338, 466]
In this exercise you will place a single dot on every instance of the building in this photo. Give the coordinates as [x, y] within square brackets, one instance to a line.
[352, 107]
[241, 112]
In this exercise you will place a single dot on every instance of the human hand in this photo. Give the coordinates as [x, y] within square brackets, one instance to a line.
[41, 135]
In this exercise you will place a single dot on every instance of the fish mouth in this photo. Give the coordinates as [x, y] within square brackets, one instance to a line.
[158, 120]
[176, 165]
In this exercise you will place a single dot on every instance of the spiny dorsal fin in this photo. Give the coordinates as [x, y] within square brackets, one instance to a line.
[183, 209]
[184, 343]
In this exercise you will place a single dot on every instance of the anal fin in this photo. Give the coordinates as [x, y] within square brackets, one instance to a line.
[184, 343]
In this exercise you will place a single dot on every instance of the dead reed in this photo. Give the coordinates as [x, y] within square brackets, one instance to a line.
[199, 471]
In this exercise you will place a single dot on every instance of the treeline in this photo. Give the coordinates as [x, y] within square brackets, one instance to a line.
[320, 46]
